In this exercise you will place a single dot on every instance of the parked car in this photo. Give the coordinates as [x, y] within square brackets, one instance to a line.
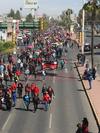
[87, 47]
[97, 46]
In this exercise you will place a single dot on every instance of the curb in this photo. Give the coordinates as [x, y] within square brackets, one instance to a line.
[89, 100]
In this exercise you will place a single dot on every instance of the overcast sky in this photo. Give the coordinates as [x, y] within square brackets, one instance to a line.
[50, 7]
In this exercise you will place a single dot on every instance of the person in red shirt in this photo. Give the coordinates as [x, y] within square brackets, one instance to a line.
[14, 86]
[46, 99]
[18, 73]
[36, 90]
[33, 85]
[85, 125]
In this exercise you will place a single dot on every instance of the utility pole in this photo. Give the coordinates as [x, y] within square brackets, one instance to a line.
[92, 32]
[83, 27]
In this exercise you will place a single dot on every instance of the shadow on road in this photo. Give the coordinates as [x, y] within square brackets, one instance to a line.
[23, 109]
[80, 90]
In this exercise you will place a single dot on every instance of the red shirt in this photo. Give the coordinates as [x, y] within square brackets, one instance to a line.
[27, 89]
[13, 86]
[46, 97]
[36, 90]
[32, 87]
[18, 73]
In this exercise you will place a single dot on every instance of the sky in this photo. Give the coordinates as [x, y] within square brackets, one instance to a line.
[50, 7]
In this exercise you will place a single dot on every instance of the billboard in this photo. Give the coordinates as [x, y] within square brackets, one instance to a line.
[29, 4]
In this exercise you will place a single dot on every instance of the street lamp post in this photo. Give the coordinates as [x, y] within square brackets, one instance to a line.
[92, 32]
[83, 27]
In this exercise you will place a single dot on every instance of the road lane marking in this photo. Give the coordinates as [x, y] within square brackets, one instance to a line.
[66, 70]
[54, 77]
[50, 121]
[12, 112]
[8, 119]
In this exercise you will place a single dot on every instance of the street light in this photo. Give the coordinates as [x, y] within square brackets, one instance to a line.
[92, 33]
[83, 27]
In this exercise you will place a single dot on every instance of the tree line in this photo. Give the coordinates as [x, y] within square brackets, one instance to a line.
[17, 15]
[88, 7]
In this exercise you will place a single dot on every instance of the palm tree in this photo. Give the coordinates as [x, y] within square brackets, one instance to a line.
[69, 21]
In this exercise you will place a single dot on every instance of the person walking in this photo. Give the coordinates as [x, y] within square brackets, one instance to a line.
[51, 93]
[26, 100]
[6, 78]
[46, 99]
[35, 100]
[28, 89]
[44, 88]
[89, 78]
[94, 72]
[85, 125]
[8, 100]
[79, 128]
[14, 97]
[20, 89]
[62, 63]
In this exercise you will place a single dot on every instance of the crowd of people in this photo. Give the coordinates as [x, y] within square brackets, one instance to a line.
[29, 62]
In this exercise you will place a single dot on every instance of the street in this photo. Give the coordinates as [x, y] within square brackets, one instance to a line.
[67, 109]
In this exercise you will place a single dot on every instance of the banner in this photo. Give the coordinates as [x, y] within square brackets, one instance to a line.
[29, 4]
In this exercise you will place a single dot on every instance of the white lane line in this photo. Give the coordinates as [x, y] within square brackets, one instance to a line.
[6, 122]
[50, 121]
[54, 77]
[10, 115]
[66, 70]
[8, 119]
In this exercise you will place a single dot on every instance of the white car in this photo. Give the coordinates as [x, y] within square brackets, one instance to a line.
[19, 37]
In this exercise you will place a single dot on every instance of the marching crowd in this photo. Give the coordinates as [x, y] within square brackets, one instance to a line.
[29, 62]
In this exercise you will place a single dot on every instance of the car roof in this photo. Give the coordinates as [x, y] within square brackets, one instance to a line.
[87, 43]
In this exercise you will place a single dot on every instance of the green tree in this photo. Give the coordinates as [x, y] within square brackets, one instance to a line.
[88, 7]
[46, 21]
[69, 21]
[11, 14]
[17, 15]
[66, 18]
[29, 18]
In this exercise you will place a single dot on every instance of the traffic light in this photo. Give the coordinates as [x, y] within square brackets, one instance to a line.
[41, 23]
[14, 38]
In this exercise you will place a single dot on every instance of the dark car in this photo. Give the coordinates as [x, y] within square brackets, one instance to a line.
[87, 47]
[97, 46]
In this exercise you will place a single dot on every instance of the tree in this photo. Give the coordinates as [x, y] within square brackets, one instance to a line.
[45, 21]
[11, 14]
[66, 19]
[88, 7]
[29, 18]
[69, 21]
[17, 15]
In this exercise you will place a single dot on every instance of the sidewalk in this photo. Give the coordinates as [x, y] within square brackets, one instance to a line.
[93, 94]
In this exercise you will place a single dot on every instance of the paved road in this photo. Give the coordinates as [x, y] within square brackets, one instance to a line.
[67, 109]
